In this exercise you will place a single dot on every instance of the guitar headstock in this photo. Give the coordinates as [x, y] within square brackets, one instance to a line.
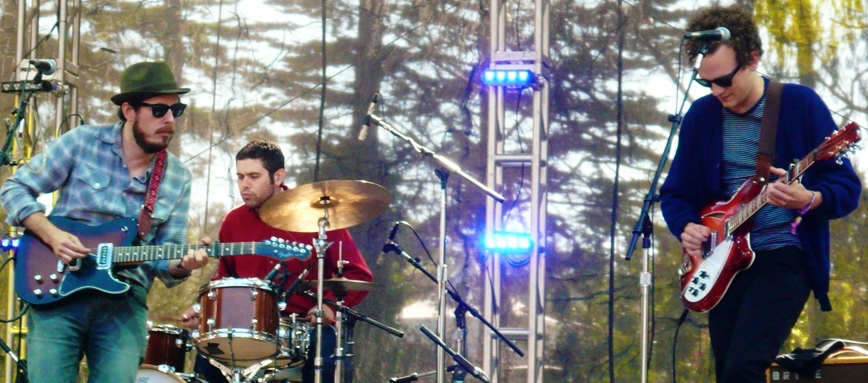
[840, 143]
[281, 249]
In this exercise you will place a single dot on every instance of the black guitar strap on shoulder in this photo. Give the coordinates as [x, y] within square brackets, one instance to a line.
[768, 131]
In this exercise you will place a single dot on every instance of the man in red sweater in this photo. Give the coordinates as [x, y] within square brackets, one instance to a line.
[260, 171]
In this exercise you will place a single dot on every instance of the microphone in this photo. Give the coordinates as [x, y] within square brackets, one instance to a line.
[273, 273]
[363, 133]
[389, 241]
[721, 33]
[46, 66]
[298, 281]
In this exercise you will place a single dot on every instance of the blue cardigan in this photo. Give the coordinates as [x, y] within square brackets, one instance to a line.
[694, 179]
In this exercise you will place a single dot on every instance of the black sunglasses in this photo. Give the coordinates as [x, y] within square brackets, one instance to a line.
[159, 110]
[722, 81]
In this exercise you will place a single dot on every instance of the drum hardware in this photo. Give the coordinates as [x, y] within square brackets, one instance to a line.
[326, 205]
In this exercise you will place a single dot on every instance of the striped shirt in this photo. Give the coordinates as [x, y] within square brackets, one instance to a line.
[771, 224]
[87, 166]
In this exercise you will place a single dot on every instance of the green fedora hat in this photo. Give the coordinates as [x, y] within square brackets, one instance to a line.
[146, 79]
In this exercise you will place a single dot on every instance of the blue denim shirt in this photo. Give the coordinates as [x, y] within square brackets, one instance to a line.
[87, 166]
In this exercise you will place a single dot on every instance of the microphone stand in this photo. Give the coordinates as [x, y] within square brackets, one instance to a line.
[640, 226]
[22, 364]
[462, 362]
[446, 167]
[412, 377]
[394, 247]
[23, 103]
[351, 316]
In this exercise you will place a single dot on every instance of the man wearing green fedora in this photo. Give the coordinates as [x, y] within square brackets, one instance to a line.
[104, 174]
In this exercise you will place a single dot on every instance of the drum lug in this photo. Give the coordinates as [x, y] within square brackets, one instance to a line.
[281, 306]
[253, 323]
[197, 308]
[212, 295]
[254, 294]
[211, 322]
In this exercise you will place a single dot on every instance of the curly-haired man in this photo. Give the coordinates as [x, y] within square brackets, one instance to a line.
[716, 154]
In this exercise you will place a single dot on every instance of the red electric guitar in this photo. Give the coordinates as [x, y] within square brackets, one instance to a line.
[705, 278]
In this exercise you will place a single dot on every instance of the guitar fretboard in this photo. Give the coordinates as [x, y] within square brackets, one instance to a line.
[129, 254]
[749, 209]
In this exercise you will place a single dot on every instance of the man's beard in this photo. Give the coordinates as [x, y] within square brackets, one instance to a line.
[148, 147]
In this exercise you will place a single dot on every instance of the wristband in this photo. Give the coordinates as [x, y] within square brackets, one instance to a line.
[802, 212]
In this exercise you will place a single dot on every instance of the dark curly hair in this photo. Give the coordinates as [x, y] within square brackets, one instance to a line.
[266, 151]
[738, 19]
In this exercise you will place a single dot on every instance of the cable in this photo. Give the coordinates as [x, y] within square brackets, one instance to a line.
[681, 320]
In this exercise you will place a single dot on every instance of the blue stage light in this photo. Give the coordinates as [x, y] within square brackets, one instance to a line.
[508, 242]
[509, 78]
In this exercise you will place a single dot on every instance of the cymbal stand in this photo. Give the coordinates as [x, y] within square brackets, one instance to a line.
[344, 343]
[446, 167]
[320, 245]
[339, 303]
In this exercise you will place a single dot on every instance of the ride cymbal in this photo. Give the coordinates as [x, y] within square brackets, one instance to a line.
[349, 203]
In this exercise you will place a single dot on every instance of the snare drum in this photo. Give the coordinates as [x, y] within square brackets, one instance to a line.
[167, 345]
[239, 320]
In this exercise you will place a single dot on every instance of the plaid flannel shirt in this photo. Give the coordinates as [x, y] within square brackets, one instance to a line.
[87, 166]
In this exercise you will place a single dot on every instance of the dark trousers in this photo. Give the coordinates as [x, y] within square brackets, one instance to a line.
[757, 314]
[212, 374]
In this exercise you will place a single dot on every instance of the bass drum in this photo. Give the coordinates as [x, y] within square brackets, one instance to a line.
[160, 374]
[153, 374]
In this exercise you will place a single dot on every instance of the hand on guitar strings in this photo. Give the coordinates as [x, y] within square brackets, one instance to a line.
[693, 237]
[790, 196]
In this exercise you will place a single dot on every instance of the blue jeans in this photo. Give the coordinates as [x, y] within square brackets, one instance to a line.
[111, 330]
[329, 340]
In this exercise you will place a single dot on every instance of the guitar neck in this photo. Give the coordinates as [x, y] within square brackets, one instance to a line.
[749, 209]
[139, 254]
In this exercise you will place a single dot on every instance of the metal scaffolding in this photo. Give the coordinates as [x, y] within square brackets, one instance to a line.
[536, 160]
[64, 89]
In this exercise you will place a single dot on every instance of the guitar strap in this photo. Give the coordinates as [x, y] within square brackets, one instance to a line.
[151, 195]
[768, 130]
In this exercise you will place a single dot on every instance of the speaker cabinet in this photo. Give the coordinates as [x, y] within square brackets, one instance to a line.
[843, 369]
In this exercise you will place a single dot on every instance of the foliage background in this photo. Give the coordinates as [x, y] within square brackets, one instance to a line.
[256, 71]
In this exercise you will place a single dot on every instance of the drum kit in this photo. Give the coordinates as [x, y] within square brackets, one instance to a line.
[241, 331]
